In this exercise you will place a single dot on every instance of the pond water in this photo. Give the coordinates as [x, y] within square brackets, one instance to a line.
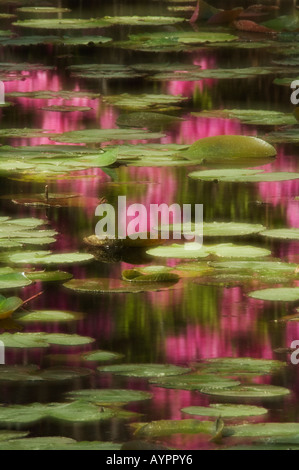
[207, 314]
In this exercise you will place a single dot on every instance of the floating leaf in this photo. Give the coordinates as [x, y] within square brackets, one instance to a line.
[241, 365]
[249, 392]
[49, 276]
[228, 147]
[101, 356]
[45, 257]
[143, 20]
[226, 411]
[33, 375]
[94, 136]
[168, 427]
[149, 120]
[282, 233]
[278, 294]
[134, 275]
[193, 250]
[195, 382]
[242, 176]
[13, 281]
[43, 10]
[144, 101]
[109, 285]
[48, 316]
[109, 396]
[62, 23]
[56, 443]
[104, 71]
[8, 306]
[251, 116]
[42, 340]
[264, 430]
[144, 370]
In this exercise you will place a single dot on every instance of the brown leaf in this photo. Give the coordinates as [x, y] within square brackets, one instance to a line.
[252, 27]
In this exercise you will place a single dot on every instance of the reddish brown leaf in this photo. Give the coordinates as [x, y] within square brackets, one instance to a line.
[226, 16]
[252, 27]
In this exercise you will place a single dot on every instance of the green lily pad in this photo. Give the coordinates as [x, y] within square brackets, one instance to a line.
[282, 233]
[94, 136]
[49, 95]
[284, 23]
[144, 370]
[43, 10]
[101, 356]
[193, 250]
[251, 116]
[49, 276]
[109, 396]
[62, 23]
[32, 374]
[221, 74]
[195, 382]
[162, 428]
[149, 120]
[79, 412]
[225, 411]
[113, 286]
[104, 71]
[10, 435]
[13, 281]
[45, 257]
[66, 109]
[85, 40]
[56, 443]
[242, 176]
[241, 366]
[154, 102]
[134, 275]
[216, 229]
[228, 147]
[143, 20]
[278, 294]
[42, 340]
[264, 430]
[48, 316]
[24, 133]
[8, 306]
[288, 136]
[249, 392]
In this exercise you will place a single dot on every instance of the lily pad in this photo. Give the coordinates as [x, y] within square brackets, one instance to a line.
[42, 340]
[263, 430]
[162, 428]
[101, 356]
[282, 233]
[66, 109]
[288, 136]
[8, 306]
[48, 316]
[251, 116]
[56, 443]
[32, 375]
[113, 286]
[149, 120]
[278, 294]
[109, 396]
[43, 10]
[144, 370]
[49, 276]
[143, 20]
[144, 101]
[249, 392]
[45, 257]
[216, 229]
[13, 281]
[225, 411]
[241, 366]
[195, 382]
[193, 250]
[95, 136]
[228, 147]
[134, 275]
[237, 175]
[104, 71]
[62, 23]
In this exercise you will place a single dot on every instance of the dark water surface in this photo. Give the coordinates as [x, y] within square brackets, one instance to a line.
[192, 322]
